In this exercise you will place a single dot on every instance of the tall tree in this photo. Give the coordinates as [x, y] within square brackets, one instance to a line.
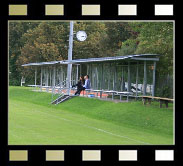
[16, 30]
[157, 38]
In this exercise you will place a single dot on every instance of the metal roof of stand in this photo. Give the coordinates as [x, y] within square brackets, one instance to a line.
[150, 57]
[41, 63]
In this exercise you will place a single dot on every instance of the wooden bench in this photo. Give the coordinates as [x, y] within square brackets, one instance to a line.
[161, 100]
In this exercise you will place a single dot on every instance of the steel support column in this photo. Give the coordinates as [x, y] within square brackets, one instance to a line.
[77, 72]
[35, 81]
[154, 76]
[122, 79]
[129, 78]
[50, 76]
[137, 78]
[109, 76]
[102, 77]
[145, 77]
[41, 79]
[114, 73]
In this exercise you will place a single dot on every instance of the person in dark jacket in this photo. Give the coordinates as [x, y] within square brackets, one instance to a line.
[79, 85]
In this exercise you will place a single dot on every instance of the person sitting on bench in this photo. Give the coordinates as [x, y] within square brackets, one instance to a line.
[87, 82]
[79, 85]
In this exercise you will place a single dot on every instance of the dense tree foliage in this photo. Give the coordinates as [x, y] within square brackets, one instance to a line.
[48, 41]
[157, 38]
[16, 30]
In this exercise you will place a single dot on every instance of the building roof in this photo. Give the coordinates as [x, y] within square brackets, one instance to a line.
[152, 57]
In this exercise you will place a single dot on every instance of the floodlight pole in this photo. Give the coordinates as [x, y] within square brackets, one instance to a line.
[69, 66]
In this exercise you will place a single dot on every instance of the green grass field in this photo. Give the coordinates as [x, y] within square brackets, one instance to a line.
[85, 121]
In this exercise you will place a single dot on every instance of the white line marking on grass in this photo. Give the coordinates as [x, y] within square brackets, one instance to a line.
[98, 129]
[122, 136]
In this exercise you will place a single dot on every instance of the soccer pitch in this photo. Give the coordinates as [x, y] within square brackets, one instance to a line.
[85, 121]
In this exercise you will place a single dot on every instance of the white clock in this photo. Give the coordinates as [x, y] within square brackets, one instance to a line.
[81, 35]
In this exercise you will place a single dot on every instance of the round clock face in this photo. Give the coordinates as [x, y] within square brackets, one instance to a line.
[81, 35]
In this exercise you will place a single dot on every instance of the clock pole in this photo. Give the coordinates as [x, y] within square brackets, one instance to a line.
[69, 66]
